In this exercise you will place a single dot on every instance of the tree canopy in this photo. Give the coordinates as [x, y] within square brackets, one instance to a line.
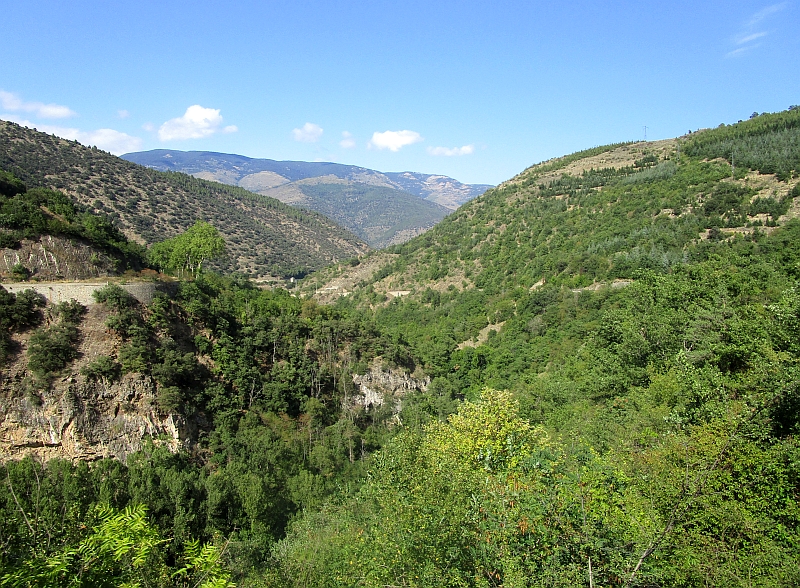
[189, 250]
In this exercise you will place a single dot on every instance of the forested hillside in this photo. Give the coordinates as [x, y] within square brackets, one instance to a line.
[264, 236]
[595, 373]
[262, 382]
[379, 215]
[638, 302]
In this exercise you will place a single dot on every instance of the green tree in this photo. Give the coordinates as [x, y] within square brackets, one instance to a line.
[189, 250]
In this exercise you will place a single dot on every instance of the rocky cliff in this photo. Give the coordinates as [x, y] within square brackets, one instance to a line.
[76, 417]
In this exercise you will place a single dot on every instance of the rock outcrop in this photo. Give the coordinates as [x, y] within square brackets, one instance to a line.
[57, 258]
[77, 418]
[380, 386]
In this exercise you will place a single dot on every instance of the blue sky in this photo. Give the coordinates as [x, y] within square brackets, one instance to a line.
[474, 90]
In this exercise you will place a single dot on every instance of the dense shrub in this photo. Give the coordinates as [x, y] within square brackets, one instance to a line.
[17, 313]
[102, 368]
[52, 348]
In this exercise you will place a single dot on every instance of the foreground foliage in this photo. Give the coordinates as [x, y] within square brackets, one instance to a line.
[121, 549]
[488, 500]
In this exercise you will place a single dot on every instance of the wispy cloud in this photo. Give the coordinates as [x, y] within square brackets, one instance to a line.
[10, 102]
[123, 113]
[742, 39]
[196, 123]
[110, 140]
[308, 133]
[447, 152]
[347, 141]
[748, 38]
[739, 51]
[393, 140]
[766, 12]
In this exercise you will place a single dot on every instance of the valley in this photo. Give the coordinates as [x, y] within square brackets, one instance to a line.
[585, 376]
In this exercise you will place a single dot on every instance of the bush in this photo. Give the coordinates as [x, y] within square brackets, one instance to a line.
[54, 347]
[51, 349]
[69, 312]
[170, 399]
[114, 296]
[10, 186]
[20, 272]
[21, 311]
[17, 313]
[135, 357]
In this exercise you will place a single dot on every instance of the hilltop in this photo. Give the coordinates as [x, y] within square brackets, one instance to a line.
[383, 208]
[264, 236]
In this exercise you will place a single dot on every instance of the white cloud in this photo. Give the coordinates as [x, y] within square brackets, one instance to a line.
[196, 123]
[13, 103]
[740, 50]
[746, 37]
[149, 127]
[347, 140]
[394, 140]
[110, 140]
[308, 133]
[447, 152]
[123, 113]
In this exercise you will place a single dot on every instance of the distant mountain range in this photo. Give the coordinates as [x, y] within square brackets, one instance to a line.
[383, 208]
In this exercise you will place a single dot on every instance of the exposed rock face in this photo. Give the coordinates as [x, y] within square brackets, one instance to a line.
[81, 419]
[381, 386]
[76, 417]
[51, 258]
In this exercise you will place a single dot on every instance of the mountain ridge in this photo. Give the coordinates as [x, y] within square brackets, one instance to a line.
[381, 208]
[231, 168]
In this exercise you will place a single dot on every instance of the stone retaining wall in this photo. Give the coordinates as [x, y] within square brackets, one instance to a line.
[56, 292]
